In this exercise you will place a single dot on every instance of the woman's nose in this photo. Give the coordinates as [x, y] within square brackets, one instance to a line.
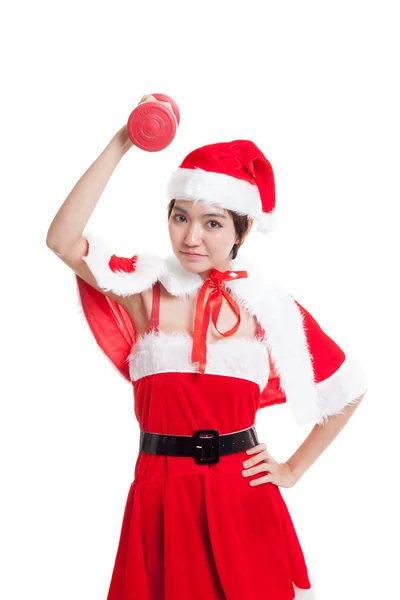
[193, 234]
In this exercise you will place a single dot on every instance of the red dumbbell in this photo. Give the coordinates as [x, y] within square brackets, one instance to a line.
[153, 123]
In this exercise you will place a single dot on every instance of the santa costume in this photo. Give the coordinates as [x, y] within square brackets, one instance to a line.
[193, 527]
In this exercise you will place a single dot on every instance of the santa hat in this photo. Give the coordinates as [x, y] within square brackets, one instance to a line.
[233, 175]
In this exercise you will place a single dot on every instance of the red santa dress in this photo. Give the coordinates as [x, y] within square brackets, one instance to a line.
[195, 531]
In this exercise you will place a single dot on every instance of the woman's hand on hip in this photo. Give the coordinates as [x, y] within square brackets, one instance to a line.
[273, 471]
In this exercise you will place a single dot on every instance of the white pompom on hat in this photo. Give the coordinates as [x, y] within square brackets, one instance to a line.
[233, 175]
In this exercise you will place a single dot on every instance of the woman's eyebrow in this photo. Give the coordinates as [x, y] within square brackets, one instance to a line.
[205, 215]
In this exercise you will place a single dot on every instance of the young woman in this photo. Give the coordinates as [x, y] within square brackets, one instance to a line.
[206, 338]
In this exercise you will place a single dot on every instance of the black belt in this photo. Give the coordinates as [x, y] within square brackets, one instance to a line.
[206, 445]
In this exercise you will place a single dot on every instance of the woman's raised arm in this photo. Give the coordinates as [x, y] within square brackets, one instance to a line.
[68, 224]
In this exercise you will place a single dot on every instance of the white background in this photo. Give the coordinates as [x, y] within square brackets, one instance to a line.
[315, 86]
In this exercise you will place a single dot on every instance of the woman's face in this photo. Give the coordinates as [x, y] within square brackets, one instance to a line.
[204, 229]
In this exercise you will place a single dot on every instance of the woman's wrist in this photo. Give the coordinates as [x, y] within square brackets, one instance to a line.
[296, 471]
[123, 140]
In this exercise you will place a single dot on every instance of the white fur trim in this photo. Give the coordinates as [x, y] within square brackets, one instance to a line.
[159, 352]
[261, 295]
[215, 188]
[344, 387]
[177, 280]
[266, 222]
[149, 268]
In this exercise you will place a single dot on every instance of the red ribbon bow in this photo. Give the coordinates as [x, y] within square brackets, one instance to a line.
[212, 307]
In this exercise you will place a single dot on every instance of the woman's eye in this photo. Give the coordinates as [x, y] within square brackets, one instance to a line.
[178, 217]
[216, 224]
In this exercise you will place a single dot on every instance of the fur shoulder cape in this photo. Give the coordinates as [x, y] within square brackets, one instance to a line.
[308, 370]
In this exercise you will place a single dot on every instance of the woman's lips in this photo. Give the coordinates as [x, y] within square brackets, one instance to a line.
[193, 255]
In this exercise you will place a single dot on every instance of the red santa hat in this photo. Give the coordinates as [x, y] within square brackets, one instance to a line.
[233, 175]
